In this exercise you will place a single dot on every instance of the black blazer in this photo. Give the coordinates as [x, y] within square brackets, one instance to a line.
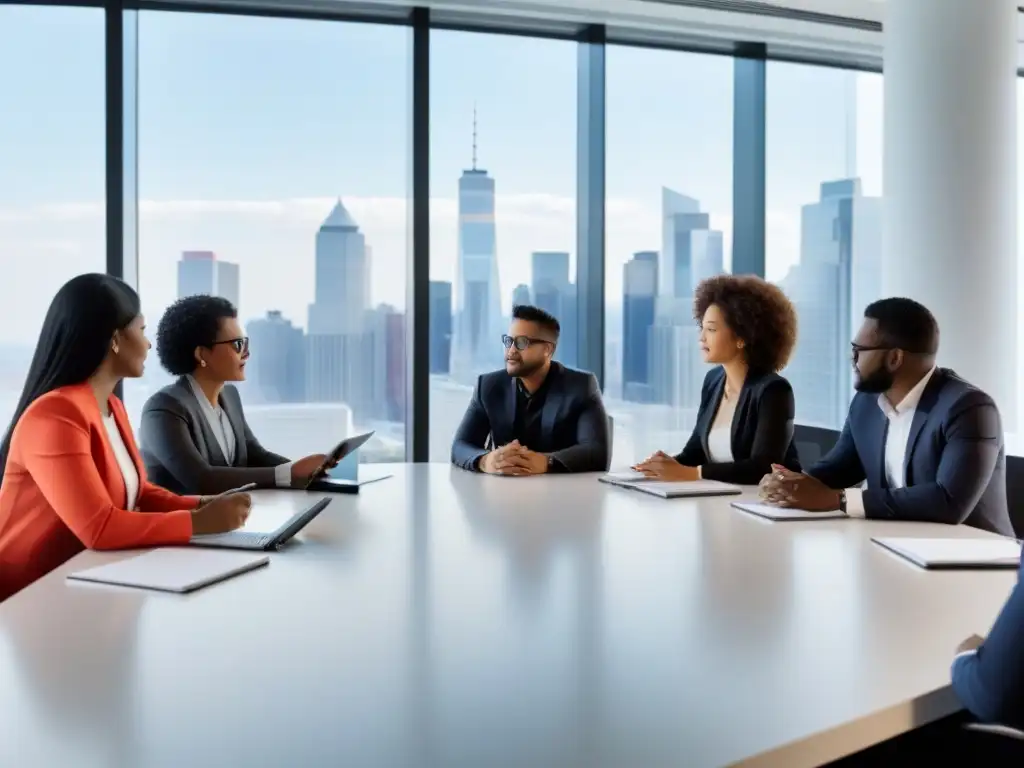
[955, 459]
[990, 682]
[762, 429]
[573, 420]
[182, 454]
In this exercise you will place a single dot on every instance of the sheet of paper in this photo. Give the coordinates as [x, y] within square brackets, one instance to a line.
[784, 513]
[934, 551]
[173, 569]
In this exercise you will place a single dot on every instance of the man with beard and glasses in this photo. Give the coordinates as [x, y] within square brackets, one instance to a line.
[929, 445]
[536, 416]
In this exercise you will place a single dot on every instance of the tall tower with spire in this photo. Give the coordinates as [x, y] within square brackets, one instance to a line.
[479, 322]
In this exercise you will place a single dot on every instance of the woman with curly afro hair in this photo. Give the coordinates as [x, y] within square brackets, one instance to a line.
[195, 438]
[745, 419]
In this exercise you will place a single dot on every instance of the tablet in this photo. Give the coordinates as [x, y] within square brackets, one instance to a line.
[341, 450]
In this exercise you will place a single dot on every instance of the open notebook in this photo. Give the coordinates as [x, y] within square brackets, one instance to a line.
[635, 481]
[173, 569]
[954, 553]
[784, 513]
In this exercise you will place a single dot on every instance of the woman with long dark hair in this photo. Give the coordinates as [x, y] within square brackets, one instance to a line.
[72, 475]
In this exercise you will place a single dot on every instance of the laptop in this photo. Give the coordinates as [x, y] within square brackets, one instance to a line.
[349, 474]
[269, 527]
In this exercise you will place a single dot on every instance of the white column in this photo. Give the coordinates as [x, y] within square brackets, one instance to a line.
[950, 175]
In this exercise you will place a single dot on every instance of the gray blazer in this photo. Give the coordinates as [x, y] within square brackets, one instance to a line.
[182, 454]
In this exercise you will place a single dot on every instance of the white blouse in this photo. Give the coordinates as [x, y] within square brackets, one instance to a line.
[720, 435]
[124, 461]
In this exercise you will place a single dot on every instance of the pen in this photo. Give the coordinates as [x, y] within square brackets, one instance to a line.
[239, 489]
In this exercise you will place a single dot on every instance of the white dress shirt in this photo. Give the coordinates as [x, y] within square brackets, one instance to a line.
[225, 435]
[124, 462]
[901, 418]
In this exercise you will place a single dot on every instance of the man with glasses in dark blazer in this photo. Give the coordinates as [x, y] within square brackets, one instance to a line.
[536, 416]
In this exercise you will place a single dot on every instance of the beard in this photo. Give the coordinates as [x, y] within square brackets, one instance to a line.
[876, 382]
[521, 369]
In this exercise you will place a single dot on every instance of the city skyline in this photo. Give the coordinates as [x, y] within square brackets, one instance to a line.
[246, 157]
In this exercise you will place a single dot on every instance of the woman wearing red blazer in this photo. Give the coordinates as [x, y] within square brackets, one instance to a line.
[72, 475]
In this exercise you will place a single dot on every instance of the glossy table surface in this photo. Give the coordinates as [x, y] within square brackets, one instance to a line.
[442, 618]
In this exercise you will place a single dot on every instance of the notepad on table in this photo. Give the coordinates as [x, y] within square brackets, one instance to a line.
[676, 490]
[785, 513]
[954, 553]
[173, 569]
[615, 477]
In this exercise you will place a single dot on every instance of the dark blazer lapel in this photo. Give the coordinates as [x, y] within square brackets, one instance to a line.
[232, 407]
[501, 432]
[708, 417]
[742, 406]
[195, 410]
[921, 413]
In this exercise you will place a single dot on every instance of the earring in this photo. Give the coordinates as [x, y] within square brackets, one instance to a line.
[115, 349]
[202, 363]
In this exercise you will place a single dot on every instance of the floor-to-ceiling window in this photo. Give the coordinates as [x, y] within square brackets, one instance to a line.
[669, 225]
[274, 161]
[52, 166]
[823, 210]
[502, 224]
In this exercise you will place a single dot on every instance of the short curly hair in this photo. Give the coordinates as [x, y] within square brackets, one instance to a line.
[757, 311]
[190, 322]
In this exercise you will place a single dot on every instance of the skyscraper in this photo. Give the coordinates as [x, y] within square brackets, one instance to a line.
[342, 287]
[337, 350]
[440, 326]
[639, 289]
[277, 368]
[200, 272]
[521, 295]
[554, 293]
[690, 252]
[838, 275]
[478, 317]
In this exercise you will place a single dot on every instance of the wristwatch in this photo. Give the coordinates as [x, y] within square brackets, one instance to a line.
[842, 500]
[551, 464]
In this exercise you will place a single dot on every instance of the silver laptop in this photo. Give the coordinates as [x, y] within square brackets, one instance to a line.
[269, 527]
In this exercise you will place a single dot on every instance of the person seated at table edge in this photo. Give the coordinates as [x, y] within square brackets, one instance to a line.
[928, 443]
[988, 674]
[72, 475]
[745, 420]
[194, 435]
[541, 416]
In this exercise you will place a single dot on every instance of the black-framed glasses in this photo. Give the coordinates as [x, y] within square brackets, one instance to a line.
[240, 345]
[521, 342]
[856, 349]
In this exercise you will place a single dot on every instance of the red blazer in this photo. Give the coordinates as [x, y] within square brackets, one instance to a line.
[63, 491]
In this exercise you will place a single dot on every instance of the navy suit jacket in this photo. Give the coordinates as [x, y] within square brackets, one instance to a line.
[990, 682]
[573, 420]
[762, 429]
[955, 459]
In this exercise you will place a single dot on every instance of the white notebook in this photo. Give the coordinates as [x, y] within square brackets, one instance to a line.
[173, 569]
[955, 553]
[784, 513]
[677, 490]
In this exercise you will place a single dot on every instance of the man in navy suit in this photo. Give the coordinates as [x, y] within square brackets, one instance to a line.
[537, 415]
[929, 444]
[988, 675]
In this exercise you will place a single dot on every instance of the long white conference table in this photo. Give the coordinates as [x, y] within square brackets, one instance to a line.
[442, 618]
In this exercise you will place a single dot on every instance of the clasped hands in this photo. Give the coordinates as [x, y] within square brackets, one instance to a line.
[514, 460]
[784, 488]
[660, 466]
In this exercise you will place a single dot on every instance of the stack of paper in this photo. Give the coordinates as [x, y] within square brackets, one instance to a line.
[173, 569]
[955, 553]
[784, 513]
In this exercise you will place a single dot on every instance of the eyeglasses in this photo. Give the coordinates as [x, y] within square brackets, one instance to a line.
[240, 345]
[521, 342]
[856, 349]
